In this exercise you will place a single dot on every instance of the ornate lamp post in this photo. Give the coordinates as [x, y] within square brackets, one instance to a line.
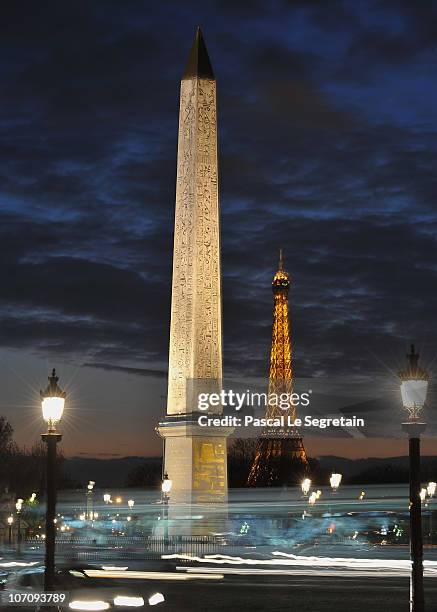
[52, 401]
[414, 386]
[166, 488]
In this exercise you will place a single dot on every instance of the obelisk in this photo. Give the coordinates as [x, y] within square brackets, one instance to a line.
[195, 456]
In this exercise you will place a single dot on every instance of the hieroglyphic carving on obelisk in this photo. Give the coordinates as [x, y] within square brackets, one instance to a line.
[196, 317]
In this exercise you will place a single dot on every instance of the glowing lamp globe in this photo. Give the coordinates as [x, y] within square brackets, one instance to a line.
[10, 520]
[52, 402]
[414, 386]
[305, 486]
[52, 409]
[131, 503]
[166, 484]
[431, 488]
[335, 480]
[414, 393]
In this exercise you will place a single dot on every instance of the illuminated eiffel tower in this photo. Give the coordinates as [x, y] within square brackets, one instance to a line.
[280, 457]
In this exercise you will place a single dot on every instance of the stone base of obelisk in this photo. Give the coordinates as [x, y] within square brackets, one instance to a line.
[195, 459]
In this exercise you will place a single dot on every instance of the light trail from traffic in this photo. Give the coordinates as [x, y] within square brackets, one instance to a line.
[307, 565]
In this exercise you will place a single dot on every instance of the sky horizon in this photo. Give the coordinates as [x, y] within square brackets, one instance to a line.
[327, 148]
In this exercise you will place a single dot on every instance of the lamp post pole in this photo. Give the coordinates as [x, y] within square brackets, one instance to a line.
[53, 400]
[417, 599]
[51, 440]
[165, 521]
[413, 388]
[18, 533]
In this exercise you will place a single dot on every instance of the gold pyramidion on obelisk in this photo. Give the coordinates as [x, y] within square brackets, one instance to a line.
[280, 457]
[195, 457]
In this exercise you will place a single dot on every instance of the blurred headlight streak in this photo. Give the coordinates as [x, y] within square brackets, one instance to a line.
[88, 605]
[138, 575]
[125, 600]
[18, 564]
[156, 599]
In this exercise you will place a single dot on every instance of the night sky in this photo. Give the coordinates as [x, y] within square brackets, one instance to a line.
[327, 134]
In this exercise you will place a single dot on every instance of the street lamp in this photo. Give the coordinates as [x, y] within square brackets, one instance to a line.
[414, 387]
[166, 489]
[305, 486]
[431, 488]
[10, 523]
[18, 506]
[131, 503]
[89, 499]
[312, 498]
[335, 481]
[52, 403]
[107, 498]
[166, 485]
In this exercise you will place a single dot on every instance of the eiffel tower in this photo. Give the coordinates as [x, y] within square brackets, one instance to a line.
[280, 457]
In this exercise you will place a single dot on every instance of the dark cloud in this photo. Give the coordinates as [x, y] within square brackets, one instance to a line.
[327, 149]
[127, 370]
